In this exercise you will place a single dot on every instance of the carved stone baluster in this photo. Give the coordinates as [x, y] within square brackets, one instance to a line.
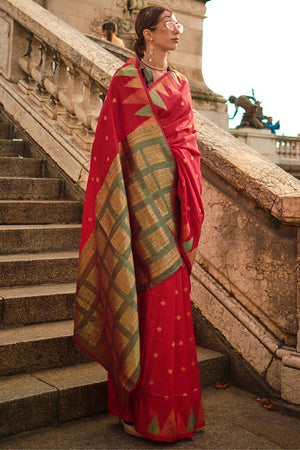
[87, 111]
[293, 149]
[53, 85]
[27, 84]
[69, 97]
[95, 122]
[297, 143]
[39, 72]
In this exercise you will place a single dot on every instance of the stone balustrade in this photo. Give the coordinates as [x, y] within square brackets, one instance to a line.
[245, 282]
[61, 88]
[288, 147]
[60, 73]
[282, 150]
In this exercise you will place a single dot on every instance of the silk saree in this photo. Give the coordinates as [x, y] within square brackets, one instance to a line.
[141, 226]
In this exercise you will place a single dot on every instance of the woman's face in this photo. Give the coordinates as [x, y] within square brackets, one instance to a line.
[163, 38]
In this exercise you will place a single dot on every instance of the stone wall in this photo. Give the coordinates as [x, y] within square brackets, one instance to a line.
[83, 14]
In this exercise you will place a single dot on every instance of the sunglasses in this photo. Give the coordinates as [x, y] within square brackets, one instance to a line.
[172, 26]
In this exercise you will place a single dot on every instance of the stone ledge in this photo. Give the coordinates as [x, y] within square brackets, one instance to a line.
[249, 172]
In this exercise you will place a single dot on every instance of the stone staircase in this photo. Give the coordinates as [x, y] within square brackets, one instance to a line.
[44, 378]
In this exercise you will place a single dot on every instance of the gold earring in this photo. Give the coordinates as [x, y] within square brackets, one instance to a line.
[150, 51]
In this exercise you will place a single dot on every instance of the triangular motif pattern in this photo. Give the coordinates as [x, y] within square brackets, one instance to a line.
[154, 426]
[127, 71]
[169, 425]
[145, 111]
[192, 421]
[157, 100]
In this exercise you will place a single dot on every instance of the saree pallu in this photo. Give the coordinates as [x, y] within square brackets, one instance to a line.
[141, 226]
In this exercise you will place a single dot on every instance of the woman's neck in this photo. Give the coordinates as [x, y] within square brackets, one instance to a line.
[155, 64]
[159, 59]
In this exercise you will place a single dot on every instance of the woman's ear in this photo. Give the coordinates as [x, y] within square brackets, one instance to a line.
[147, 35]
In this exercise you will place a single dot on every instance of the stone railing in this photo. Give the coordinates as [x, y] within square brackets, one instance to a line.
[245, 281]
[288, 147]
[282, 150]
[288, 154]
[59, 74]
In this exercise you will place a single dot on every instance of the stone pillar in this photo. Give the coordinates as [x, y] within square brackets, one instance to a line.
[12, 46]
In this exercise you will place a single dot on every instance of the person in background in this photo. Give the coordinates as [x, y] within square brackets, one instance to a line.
[109, 31]
[141, 227]
[271, 126]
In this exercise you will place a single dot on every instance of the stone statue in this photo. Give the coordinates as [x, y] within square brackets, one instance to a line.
[253, 116]
[135, 5]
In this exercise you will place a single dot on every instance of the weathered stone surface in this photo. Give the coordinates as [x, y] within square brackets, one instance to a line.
[68, 393]
[37, 347]
[38, 212]
[25, 403]
[253, 259]
[233, 328]
[273, 375]
[20, 167]
[38, 268]
[234, 420]
[213, 366]
[11, 148]
[37, 304]
[35, 238]
[82, 390]
[31, 189]
[4, 43]
[290, 384]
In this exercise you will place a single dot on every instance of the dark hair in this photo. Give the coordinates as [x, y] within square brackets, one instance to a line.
[146, 19]
[110, 28]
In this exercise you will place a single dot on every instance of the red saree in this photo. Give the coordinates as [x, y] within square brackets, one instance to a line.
[141, 226]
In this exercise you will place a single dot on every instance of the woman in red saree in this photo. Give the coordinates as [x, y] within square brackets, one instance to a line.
[141, 226]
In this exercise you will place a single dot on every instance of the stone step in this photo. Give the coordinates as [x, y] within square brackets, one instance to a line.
[38, 268]
[40, 212]
[38, 347]
[51, 396]
[24, 305]
[21, 167]
[39, 238]
[12, 147]
[69, 393]
[213, 366]
[3, 116]
[5, 130]
[30, 188]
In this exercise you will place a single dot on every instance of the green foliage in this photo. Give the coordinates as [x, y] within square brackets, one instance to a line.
[273, 221]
